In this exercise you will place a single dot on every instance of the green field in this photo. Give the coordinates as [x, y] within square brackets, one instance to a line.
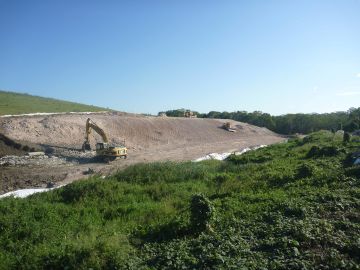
[16, 103]
[293, 205]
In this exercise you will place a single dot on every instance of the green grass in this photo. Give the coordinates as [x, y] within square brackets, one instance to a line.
[275, 208]
[16, 103]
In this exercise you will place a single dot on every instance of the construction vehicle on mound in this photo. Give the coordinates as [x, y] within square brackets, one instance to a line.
[189, 114]
[104, 150]
[227, 126]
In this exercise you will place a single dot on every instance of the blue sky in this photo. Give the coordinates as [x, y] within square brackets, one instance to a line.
[147, 56]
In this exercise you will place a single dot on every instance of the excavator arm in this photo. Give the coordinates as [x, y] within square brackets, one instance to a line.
[90, 125]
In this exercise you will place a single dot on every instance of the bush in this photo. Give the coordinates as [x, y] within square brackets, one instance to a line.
[201, 213]
[314, 151]
[326, 151]
[354, 171]
[347, 137]
[306, 170]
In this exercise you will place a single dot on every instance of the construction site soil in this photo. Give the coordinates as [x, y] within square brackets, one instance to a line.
[147, 138]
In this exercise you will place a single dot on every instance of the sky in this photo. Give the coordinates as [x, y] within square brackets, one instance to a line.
[148, 56]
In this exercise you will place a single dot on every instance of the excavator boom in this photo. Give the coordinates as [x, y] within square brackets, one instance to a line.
[92, 125]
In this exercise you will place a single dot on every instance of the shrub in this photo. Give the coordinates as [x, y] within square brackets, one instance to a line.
[347, 137]
[354, 171]
[306, 170]
[220, 179]
[349, 159]
[202, 212]
[314, 151]
[326, 151]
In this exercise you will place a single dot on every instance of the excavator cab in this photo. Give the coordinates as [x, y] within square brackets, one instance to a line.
[100, 146]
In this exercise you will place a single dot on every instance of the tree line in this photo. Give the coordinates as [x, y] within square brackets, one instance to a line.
[288, 123]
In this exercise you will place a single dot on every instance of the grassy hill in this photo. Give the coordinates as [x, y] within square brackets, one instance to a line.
[16, 103]
[293, 205]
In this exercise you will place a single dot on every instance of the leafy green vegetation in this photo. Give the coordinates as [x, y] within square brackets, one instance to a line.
[286, 206]
[16, 103]
[288, 123]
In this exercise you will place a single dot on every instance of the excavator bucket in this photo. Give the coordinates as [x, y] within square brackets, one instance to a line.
[86, 146]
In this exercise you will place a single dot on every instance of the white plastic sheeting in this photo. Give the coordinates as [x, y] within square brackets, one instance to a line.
[213, 156]
[23, 193]
[223, 156]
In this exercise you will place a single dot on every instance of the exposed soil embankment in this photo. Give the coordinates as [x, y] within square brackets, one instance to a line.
[147, 138]
[11, 147]
[139, 132]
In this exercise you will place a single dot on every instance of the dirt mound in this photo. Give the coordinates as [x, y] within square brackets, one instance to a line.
[138, 132]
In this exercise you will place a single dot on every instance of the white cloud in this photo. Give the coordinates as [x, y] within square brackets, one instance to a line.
[358, 75]
[349, 93]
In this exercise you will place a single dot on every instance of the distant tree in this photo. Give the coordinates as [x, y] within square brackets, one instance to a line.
[288, 123]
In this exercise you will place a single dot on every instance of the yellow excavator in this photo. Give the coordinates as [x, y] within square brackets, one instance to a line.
[104, 150]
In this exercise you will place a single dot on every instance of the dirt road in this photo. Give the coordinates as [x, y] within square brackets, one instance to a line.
[148, 139]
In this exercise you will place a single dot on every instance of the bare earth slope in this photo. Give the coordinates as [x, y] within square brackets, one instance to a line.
[147, 138]
[139, 132]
